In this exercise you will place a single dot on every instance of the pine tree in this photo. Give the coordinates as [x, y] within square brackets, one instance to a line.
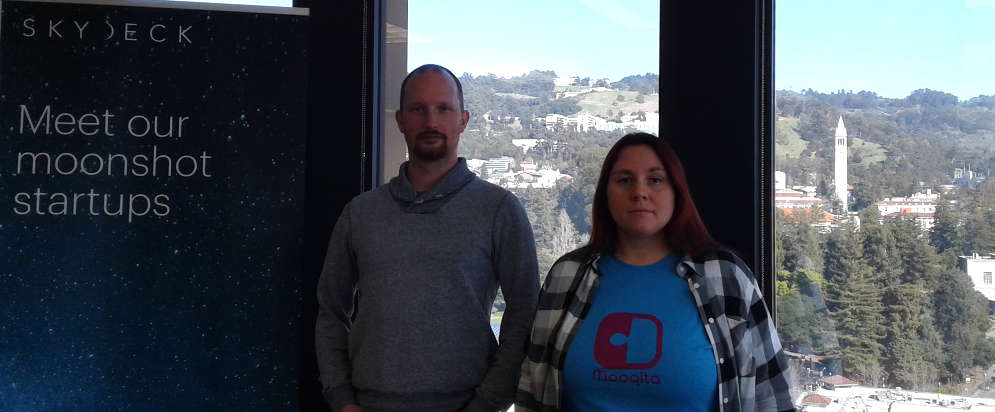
[962, 320]
[854, 302]
[947, 232]
[803, 246]
[913, 354]
[904, 351]
[880, 250]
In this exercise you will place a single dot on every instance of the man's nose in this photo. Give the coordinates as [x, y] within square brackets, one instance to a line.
[431, 119]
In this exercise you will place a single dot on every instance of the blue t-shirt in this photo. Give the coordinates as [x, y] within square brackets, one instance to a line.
[642, 346]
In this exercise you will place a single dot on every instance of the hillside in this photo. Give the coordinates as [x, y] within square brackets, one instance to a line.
[600, 103]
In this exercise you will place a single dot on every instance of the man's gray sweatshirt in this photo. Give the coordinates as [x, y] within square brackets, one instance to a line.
[427, 267]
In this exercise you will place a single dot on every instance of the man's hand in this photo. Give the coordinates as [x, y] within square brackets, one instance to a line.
[351, 408]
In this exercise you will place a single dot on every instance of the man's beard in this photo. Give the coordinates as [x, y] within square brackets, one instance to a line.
[432, 153]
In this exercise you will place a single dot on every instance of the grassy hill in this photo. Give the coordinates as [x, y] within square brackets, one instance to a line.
[863, 152]
[599, 103]
[788, 144]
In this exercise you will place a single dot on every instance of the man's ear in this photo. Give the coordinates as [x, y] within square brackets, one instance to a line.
[398, 115]
[464, 120]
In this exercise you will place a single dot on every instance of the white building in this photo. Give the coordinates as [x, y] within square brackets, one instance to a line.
[839, 168]
[650, 125]
[780, 180]
[565, 81]
[796, 199]
[475, 164]
[539, 179]
[920, 206]
[980, 269]
[499, 165]
[580, 122]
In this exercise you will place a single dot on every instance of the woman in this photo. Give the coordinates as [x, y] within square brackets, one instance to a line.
[652, 314]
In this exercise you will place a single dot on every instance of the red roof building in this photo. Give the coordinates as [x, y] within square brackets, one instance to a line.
[816, 400]
[837, 381]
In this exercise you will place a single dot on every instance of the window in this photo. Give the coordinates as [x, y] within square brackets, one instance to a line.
[866, 275]
[546, 101]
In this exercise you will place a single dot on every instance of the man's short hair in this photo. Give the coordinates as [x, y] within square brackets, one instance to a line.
[438, 69]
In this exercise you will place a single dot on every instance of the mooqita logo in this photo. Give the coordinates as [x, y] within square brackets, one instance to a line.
[628, 341]
[106, 30]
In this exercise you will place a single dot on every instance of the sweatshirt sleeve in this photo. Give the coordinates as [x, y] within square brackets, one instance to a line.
[336, 290]
[517, 274]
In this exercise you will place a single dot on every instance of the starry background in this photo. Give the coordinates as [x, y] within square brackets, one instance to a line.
[196, 310]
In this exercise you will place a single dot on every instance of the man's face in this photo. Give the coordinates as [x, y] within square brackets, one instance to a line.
[430, 117]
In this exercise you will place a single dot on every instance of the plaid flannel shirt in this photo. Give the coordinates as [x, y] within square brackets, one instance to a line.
[751, 364]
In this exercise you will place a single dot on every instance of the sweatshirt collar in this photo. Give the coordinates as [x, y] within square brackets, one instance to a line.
[433, 199]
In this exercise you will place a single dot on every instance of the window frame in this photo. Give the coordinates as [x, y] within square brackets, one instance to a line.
[739, 38]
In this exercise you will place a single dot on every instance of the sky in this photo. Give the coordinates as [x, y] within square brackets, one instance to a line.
[886, 46]
[890, 47]
[587, 38]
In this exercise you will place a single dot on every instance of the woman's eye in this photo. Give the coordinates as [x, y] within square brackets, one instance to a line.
[623, 180]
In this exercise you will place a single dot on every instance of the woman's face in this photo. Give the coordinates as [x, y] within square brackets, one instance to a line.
[640, 197]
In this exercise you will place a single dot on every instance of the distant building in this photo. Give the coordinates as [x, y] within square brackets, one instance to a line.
[565, 81]
[967, 177]
[839, 168]
[650, 125]
[919, 206]
[780, 180]
[475, 165]
[837, 381]
[499, 164]
[796, 199]
[980, 269]
[538, 179]
[824, 220]
[816, 400]
[581, 122]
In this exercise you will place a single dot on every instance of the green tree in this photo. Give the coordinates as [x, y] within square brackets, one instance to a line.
[881, 250]
[865, 193]
[905, 350]
[947, 232]
[854, 302]
[979, 235]
[540, 207]
[962, 320]
[914, 355]
[802, 243]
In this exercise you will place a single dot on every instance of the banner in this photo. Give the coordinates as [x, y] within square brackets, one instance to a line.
[151, 194]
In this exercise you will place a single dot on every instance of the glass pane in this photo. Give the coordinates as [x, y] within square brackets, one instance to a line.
[885, 145]
[550, 87]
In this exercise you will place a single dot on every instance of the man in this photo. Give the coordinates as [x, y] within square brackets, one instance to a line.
[427, 251]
